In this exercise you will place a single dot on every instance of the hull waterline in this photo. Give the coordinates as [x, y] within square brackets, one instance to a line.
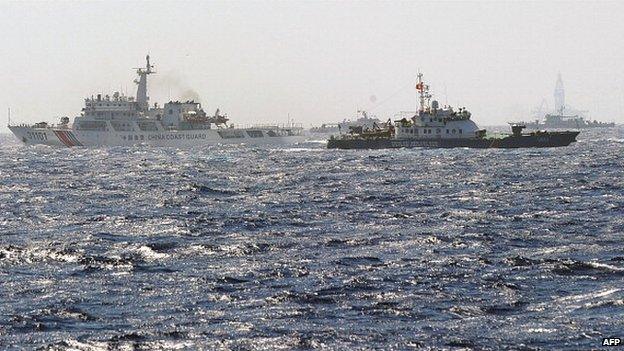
[552, 139]
[59, 137]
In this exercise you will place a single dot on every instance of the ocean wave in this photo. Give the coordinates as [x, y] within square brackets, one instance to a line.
[298, 247]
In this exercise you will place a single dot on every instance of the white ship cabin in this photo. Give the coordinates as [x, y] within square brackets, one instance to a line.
[184, 115]
[433, 122]
[122, 114]
[363, 120]
[438, 123]
[117, 112]
[109, 108]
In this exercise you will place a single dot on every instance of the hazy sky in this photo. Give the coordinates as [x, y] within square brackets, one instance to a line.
[260, 61]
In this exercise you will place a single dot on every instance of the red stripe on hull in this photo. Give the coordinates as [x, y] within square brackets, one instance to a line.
[63, 138]
[73, 138]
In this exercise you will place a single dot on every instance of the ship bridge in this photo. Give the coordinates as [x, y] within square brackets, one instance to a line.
[431, 121]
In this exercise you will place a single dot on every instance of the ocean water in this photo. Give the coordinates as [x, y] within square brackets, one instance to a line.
[297, 248]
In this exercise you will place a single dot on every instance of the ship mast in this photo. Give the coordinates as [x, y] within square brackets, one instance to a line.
[423, 93]
[559, 95]
[141, 97]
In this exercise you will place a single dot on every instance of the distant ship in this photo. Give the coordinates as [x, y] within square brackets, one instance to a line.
[362, 120]
[561, 121]
[119, 120]
[437, 127]
[565, 117]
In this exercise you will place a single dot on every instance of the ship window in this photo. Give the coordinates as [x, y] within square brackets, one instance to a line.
[438, 131]
[136, 137]
[228, 134]
[142, 138]
[255, 133]
[460, 131]
[447, 131]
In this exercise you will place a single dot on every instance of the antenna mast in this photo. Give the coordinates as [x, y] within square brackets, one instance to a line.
[423, 93]
[142, 98]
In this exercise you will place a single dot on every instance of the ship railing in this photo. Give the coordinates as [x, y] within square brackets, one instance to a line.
[42, 126]
[270, 126]
[361, 136]
[404, 114]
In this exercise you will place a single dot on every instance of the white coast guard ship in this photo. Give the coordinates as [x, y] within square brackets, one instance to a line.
[120, 120]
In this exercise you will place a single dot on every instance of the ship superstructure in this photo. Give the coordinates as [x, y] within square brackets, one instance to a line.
[433, 122]
[119, 120]
[362, 120]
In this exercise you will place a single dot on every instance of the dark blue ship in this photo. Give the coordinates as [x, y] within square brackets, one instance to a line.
[436, 127]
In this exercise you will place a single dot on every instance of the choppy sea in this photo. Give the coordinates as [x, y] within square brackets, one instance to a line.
[299, 247]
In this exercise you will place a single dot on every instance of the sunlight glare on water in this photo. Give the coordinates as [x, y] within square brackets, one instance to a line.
[301, 247]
